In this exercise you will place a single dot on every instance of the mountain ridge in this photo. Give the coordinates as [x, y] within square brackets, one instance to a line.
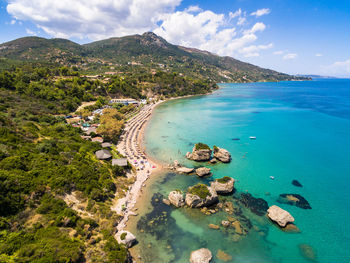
[147, 50]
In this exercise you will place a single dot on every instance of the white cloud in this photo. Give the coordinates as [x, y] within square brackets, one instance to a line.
[338, 68]
[93, 19]
[290, 56]
[241, 21]
[318, 55]
[96, 19]
[257, 27]
[261, 12]
[13, 21]
[238, 13]
[279, 52]
[193, 9]
[30, 32]
[253, 50]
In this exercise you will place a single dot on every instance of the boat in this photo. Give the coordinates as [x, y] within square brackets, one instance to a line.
[252, 137]
[272, 177]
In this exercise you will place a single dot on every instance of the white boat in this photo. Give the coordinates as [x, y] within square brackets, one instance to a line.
[272, 177]
[252, 137]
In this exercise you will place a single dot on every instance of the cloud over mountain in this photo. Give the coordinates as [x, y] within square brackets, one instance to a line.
[224, 34]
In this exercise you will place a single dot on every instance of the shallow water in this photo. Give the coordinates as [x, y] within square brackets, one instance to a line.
[302, 131]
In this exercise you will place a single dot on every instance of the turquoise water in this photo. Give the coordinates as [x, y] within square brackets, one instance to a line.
[303, 133]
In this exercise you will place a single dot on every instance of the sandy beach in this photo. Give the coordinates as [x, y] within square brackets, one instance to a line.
[131, 146]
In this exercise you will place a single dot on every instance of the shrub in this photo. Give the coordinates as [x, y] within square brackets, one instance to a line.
[224, 179]
[202, 146]
[200, 189]
[123, 236]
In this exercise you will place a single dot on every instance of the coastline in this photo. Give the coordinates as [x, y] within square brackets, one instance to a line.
[131, 145]
[137, 196]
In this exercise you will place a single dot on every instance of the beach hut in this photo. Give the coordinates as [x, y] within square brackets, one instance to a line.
[97, 139]
[91, 130]
[122, 162]
[103, 154]
[106, 145]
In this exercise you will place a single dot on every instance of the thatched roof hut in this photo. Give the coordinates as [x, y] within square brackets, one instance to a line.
[103, 154]
[120, 162]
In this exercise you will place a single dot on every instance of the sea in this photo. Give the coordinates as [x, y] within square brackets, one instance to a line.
[302, 131]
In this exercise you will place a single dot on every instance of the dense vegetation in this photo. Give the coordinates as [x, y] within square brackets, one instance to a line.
[199, 189]
[201, 146]
[42, 159]
[224, 179]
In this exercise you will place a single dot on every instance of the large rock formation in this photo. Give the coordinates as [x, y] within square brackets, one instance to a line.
[202, 255]
[223, 185]
[126, 238]
[203, 171]
[200, 195]
[222, 154]
[176, 198]
[279, 215]
[200, 152]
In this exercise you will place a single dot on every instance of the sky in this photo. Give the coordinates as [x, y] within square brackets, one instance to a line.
[291, 36]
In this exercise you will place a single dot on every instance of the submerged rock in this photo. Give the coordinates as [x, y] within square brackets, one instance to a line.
[200, 152]
[291, 228]
[212, 226]
[225, 223]
[200, 195]
[222, 154]
[126, 238]
[203, 171]
[294, 199]
[176, 198]
[257, 205]
[307, 252]
[238, 227]
[297, 183]
[223, 185]
[279, 215]
[202, 255]
[223, 256]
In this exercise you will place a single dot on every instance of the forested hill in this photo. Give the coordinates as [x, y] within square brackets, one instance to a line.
[136, 53]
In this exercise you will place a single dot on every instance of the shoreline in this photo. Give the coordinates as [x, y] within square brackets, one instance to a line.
[136, 198]
[132, 146]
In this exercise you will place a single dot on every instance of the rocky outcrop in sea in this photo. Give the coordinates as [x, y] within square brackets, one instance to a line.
[203, 171]
[201, 195]
[202, 255]
[200, 152]
[294, 199]
[279, 215]
[176, 198]
[221, 154]
[223, 185]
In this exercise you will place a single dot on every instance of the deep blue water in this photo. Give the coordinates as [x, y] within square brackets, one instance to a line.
[303, 133]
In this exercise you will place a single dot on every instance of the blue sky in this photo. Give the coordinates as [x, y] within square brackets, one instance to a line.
[292, 36]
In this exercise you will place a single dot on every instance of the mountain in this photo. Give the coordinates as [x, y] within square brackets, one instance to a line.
[140, 52]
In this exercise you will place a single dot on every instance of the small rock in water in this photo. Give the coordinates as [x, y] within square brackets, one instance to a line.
[307, 252]
[225, 223]
[294, 199]
[291, 228]
[212, 226]
[297, 183]
[223, 256]
[202, 255]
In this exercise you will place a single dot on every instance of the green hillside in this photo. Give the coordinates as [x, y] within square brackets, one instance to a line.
[138, 53]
